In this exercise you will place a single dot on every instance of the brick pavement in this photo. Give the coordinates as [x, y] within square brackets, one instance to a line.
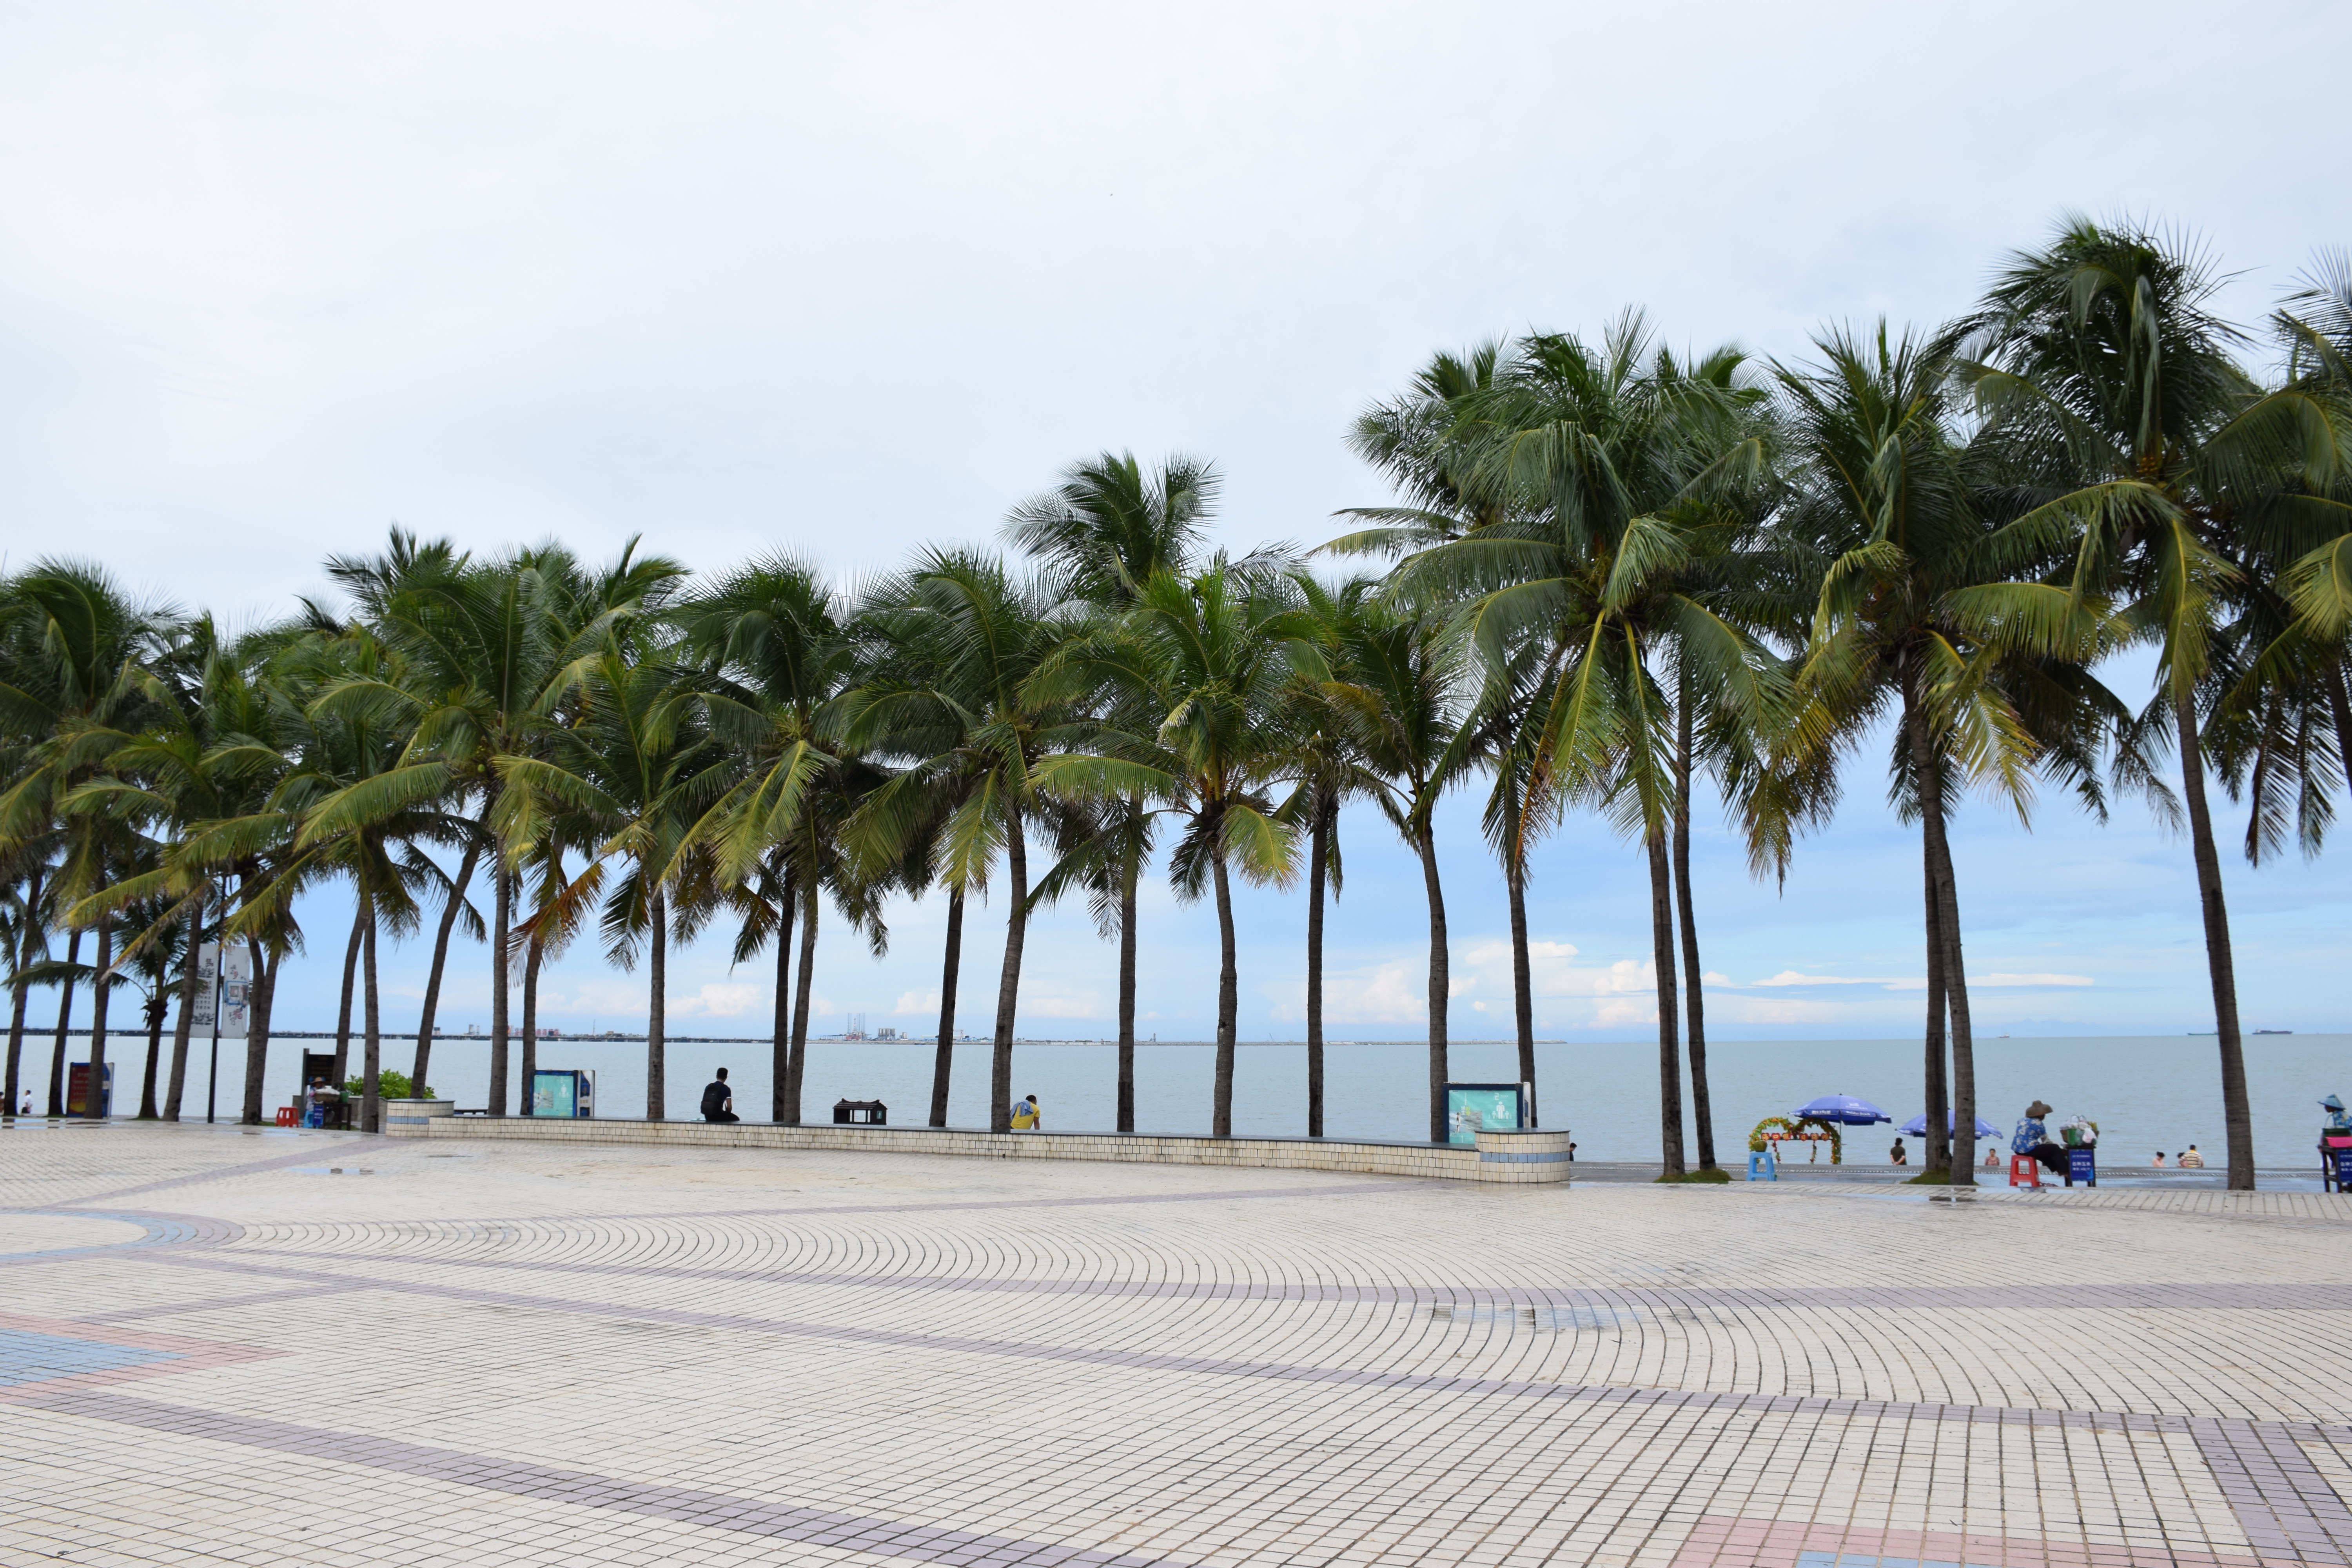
[320, 1349]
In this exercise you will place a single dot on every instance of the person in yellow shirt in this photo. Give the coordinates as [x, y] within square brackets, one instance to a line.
[1024, 1115]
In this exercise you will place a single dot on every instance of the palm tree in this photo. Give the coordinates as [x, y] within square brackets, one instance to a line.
[1103, 533]
[1987, 672]
[354, 828]
[489, 651]
[1611, 461]
[775, 655]
[636, 765]
[1502, 730]
[1210, 654]
[204, 759]
[77, 646]
[1326, 773]
[1397, 680]
[2279, 698]
[978, 731]
[2137, 444]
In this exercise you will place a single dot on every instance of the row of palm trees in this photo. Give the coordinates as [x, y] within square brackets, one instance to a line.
[1609, 573]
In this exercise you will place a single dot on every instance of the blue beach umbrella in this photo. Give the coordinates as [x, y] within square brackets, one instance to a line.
[1842, 1107]
[1917, 1126]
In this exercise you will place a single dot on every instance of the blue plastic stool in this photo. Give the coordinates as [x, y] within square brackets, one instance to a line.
[1768, 1160]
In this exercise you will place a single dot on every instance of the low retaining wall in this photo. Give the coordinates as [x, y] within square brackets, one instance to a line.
[1518, 1158]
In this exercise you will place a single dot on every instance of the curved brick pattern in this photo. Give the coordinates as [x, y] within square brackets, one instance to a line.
[494, 1349]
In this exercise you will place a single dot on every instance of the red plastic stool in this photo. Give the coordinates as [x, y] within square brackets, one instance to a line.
[286, 1114]
[2024, 1170]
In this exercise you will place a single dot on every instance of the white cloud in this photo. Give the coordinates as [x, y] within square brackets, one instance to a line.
[719, 999]
[1396, 993]
[1477, 1007]
[1044, 1003]
[1791, 977]
[916, 1003]
[1486, 965]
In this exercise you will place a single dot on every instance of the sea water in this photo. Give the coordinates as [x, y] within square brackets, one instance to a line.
[2146, 1093]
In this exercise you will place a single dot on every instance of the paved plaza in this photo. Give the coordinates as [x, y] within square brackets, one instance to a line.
[271, 1347]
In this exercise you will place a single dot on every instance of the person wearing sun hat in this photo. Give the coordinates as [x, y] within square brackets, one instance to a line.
[2339, 1122]
[2032, 1137]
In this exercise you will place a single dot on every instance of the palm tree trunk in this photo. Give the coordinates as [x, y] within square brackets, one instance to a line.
[1008, 981]
[262, 997]
[1440, 982]
[1228, 1000]
[1694, 978]
[15, 1037]
[950, 968]
[64, 1017]
[796, 1067]
[426, 1019]
[657, 1060]
[96, 1103]
[1662, 954]
[1927, 773]
[1319, 868]
[501, 930]
[780, 1042]
[1128, 874]
[1523, 998]
[372, 1037]
[1937, 1159]
[17, 961]
[351, 981]
[529, 1075]
[2237, 1113]
[157, 1006]
[184, 1024]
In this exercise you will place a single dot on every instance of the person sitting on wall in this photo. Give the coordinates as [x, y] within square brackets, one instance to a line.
[719, 1100]
[1024, 1115]
[2191, 1160]
[2159, 1160]
[1898, 1155]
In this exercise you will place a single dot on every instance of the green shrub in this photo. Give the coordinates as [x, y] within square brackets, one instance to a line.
[390, 1085]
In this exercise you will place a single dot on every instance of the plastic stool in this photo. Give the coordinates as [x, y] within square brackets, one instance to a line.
[285, 1116]
[1765, 1160]
[2024, 1170]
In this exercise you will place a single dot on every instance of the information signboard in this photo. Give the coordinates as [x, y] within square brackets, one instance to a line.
[1472, 1108]
[231, 981]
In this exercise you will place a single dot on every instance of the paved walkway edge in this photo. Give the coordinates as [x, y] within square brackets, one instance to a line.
[1511, 1158]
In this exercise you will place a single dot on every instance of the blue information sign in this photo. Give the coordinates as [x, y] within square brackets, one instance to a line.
[1473, 1108]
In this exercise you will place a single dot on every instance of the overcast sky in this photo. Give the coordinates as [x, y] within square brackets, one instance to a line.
[846, 280]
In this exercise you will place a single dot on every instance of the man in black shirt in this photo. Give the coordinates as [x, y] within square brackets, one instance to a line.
[719, 1100]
